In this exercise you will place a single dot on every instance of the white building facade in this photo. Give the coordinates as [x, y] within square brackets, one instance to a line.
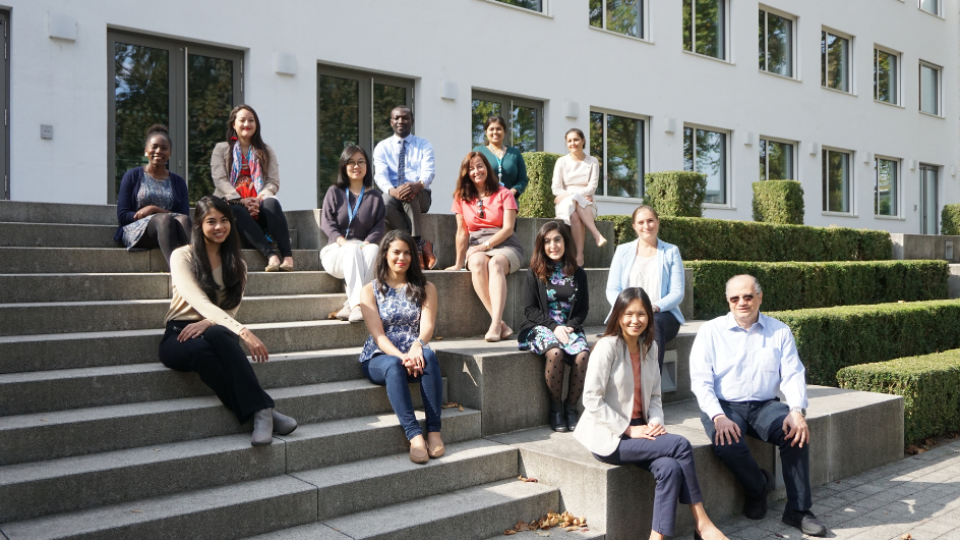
[856, 99]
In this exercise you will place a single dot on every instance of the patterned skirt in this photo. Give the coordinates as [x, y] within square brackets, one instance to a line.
[541, 339]
[133, 231]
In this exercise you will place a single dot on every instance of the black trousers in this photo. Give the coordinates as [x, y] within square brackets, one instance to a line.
[270, 220]
[763, 420]
[222, 365]
[665, 328]
[166, 232]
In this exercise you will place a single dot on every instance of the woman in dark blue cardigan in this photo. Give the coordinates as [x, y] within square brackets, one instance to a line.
[153, 206]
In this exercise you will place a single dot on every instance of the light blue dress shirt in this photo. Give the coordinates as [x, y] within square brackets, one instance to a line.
[732, 364]
[418, 164]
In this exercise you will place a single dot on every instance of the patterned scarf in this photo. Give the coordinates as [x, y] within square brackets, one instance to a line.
[246, 186]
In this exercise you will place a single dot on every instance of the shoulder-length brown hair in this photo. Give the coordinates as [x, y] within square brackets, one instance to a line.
[255, 141]
[541, 264]
[466, 190]
[620, 306]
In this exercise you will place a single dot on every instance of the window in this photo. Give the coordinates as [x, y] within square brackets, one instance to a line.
[703, 27]
[776, 160]
[534, 5]
[835, 61]
[929, 203]
[930, 6]
[5, 103]
[524, 116]
[353, 107]
[705, 151]
[886, 75]
[189, 88]
[929, 88]
[836, 181]
[620, 16]
[617, 142]
[776, 44]
[885, 187]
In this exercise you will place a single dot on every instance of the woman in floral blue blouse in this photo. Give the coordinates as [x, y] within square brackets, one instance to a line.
[556, 301]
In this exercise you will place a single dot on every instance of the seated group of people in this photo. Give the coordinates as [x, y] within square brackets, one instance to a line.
[737, 364]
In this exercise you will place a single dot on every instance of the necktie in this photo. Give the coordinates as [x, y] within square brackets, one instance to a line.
[402, 164]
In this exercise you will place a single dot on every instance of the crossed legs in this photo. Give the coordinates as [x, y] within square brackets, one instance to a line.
[581, 221]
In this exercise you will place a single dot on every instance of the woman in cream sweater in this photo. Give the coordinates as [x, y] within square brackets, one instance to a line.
[575, 179]
[622, 421]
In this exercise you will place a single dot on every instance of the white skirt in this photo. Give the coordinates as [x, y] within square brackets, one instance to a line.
[568, 206]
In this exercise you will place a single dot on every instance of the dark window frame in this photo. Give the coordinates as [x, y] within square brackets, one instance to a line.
[603, 188]
[727, 193]
[641, 24]
[767, 12]
[507, 102]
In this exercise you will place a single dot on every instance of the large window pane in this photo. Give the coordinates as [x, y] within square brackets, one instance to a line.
[596, 146]
[624, 17]
[885, 76]
[338, 121]
[209, 100]
[703, 27]
[932, 6]
[885, 188]
[535, 5]
[596, 13]
[776, 160]
[705, 152]
[763, 159]
[624, 157]
[779, 43]
[523, 127]
[835, 59]
[929, 89]
[385, 98]
[688, 25]
[836, 181]
[142, 92]
[930, 211]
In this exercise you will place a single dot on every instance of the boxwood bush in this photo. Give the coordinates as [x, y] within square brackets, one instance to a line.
[830, 339]
[778, 201]
[930, 386]
[675, 193]
[725, 240]
[950, 219]
[537, 200]
[793, 285]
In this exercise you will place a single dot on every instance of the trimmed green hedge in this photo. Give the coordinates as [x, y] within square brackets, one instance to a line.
[801, 285]
[830, 339]
[930, 386]
[779, 202]
[675, 193]
[719, 240]
[537, 200]
[950, 219]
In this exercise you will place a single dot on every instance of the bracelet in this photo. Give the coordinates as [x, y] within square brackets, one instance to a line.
[420, 341]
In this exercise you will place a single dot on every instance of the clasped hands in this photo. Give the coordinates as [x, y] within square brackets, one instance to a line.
[252, 204]
[414, 361]
[794, 427]
[149, 210]
[563, 334]
[258, 351]
[651, 431]
[407, 191]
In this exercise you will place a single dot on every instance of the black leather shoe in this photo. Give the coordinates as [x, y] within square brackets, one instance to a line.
[805, 521]
[573, 416]
[755, 507]
[557, 422]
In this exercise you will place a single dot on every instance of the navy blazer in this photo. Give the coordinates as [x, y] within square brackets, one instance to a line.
[127, 198]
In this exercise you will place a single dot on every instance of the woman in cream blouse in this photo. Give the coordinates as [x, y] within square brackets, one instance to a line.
[575, 179]
[622, 421]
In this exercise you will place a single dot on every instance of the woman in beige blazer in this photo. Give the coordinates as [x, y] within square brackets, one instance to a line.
[622, 421]
[246, 174]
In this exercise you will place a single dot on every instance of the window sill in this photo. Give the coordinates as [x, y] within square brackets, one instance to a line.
[524, 10]
[890, 218]
[716, 206]
[932, 115]
[618, 34]
[888, 104]
[937, 15]
[779, 76]
[612, 199]
[698, 55]
[839, 214]
[851, 94]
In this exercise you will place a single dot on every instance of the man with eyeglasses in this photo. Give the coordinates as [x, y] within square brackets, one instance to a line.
[404, 170]
[738, 363]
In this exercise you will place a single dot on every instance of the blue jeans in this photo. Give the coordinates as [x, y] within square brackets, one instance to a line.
[389, 371]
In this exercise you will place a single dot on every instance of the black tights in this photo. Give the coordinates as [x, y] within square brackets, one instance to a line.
[166, 232]
[270, 220]
[554, 374]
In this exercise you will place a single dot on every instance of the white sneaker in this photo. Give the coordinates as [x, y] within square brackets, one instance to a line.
[356, 315]
[344, 313]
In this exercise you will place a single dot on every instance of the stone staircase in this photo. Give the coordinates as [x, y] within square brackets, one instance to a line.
[99, 440]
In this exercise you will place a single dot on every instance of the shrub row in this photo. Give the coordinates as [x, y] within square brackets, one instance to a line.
[791, 285]
[537, 200]
[830, 339]
[950, 219]
[930, 386]
[779, 202]
[724, 240]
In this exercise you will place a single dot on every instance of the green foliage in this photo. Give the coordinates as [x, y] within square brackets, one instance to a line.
[537, 200]
[801, 285]
[675, 193]
[830, 339]
[950, 219]
[930, 386]
[779, 202]
[718, 239]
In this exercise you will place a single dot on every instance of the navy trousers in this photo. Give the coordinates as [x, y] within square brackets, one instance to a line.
[670, 459]
[665, 328]
[763, 420]
[389, 371]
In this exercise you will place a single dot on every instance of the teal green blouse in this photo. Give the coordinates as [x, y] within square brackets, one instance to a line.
[514, 174]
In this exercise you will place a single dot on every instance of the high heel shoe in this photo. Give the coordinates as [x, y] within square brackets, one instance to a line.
[505, 331]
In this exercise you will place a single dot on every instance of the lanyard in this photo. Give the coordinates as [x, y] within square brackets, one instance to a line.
[352, 213]
[500, 164]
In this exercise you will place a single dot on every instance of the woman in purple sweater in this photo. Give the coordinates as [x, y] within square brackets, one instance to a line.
[352, 217]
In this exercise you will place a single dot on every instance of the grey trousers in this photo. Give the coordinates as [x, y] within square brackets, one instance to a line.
[405, 215]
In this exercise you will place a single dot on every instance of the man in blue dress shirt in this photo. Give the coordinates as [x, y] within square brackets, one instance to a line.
[738, 363]
[404, 170]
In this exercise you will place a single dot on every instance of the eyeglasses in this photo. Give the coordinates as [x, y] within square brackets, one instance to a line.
[360, 163]
[736, 299]
[480, 208]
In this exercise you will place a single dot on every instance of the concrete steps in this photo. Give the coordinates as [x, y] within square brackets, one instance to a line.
[67, 235]
[57, 260]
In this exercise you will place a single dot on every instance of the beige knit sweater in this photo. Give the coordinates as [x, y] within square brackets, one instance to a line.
[189, 302]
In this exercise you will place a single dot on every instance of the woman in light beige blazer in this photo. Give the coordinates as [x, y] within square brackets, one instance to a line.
[622, 421]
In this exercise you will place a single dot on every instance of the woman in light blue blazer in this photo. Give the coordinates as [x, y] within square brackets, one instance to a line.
[656, 267]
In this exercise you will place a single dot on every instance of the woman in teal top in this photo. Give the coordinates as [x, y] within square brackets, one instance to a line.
[506, 161]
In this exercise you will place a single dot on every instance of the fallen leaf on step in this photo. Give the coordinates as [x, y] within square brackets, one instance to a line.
[584, 530]
[437, 338]
[136, 511]
[332, 315]
[509, 532]
[522, 479]
[543, 533]
[522, 526]
[449, 405]
[905, 536]
[460, 408]
[570, 529]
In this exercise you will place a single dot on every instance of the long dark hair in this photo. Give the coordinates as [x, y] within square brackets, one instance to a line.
[343, 181]
[255, 141]
[416, 281]
[465, 189]
[623, 301]
[233, 268]
[540, 263]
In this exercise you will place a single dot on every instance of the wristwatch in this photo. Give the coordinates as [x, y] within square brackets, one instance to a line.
[802, 411]
[487, 243]
[422, 344]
